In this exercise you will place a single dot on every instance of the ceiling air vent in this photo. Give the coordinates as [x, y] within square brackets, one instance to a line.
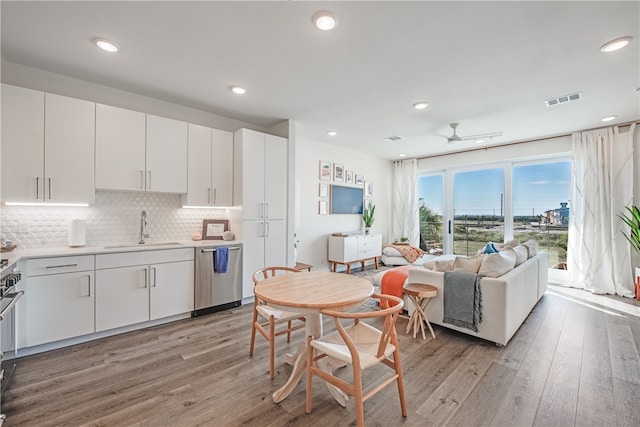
[564, 98]
[392, 138]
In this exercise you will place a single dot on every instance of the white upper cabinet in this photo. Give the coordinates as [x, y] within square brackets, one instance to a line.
[22, 144]
[210, 167]
[120, 149]
[166, 155]
[47, 147]
[222, 167]
[140, 152]
[260, 175]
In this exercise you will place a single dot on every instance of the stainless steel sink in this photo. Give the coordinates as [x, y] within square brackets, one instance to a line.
[144, 245]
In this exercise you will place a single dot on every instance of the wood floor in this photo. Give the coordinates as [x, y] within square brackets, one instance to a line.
[573, 362]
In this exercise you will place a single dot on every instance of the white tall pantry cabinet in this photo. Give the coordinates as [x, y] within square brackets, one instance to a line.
[47, 147]
[260, 186]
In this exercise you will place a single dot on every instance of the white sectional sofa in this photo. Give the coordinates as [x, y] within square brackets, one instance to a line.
[507, 300]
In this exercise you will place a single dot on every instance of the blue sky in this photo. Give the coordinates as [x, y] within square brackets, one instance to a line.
[536, 188]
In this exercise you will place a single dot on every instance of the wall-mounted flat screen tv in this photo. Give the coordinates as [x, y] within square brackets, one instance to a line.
[346, 200]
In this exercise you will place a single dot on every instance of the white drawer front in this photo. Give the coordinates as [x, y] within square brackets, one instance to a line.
[66, 264]
[125, 259]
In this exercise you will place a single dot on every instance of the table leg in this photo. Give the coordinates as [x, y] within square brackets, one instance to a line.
[425, 302]
[313, 327]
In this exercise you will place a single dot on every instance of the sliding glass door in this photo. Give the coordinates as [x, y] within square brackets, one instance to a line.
[478, 209]
[541, 207]
[431, 206]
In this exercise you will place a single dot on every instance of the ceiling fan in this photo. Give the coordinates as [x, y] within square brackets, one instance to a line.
[479, 138]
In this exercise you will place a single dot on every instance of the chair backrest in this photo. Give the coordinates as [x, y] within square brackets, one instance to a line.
[265, 273]
[388, 332]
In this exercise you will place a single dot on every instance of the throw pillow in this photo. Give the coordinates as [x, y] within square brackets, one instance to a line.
[490, 248]
[468, 264]
[521, 254]
[532, 247]
[431, 263]
[495, 265]
[513, 243]
[444, 265]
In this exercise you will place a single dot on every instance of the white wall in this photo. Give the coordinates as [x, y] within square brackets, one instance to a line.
[313, 229]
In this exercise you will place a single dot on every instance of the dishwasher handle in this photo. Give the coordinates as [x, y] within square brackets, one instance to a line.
[235, 248]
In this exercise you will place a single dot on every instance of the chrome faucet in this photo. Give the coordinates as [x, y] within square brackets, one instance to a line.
[143, 227]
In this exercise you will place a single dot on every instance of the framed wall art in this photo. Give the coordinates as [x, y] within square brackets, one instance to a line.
[325, 170]
[338, 172]
[322, 207]
[348, 177]
[212, 229]
[324, 190]
[368, 189]
[359, 179]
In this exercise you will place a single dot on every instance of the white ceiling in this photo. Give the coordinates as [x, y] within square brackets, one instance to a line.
[487, 65]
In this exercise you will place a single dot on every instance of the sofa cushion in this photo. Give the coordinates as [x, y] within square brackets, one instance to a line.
[468, 264]
[495, 265]
[522, 254]
[532, 247]
[444, 265]
[431, 263]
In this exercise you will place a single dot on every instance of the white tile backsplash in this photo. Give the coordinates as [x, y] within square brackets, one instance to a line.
[113, 220]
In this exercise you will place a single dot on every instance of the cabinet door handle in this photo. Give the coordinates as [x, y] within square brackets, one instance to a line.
[88, 285]
[145, 277]
[214, 196]
[266, 210]
[261, 210]
[267, 229]
[62, 265]
[154, 276]
[37, 188]
[141, 186]
[262, 229]
[149, 183]
[209, 196]
[49, 188]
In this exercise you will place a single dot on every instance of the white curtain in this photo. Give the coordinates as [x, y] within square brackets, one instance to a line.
[598, 254]
[404, 214]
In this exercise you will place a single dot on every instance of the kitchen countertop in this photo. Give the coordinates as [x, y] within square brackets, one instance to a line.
[18, 254]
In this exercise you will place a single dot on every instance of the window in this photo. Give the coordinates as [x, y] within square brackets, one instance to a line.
[462, 210]
[541, 207]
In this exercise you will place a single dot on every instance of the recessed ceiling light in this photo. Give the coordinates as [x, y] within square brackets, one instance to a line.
[479, 141]
[420, 105]
[237, 90]
[402, 155]
[324, 20]
[615, 44]
[608, 118]
[332, 133]
[106, 45]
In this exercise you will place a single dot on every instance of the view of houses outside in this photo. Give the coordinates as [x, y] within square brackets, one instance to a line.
[540, 209]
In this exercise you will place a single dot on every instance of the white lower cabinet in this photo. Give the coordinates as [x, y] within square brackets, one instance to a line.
[61, 300]
[140, 286]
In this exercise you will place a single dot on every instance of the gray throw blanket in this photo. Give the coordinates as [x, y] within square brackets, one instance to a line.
[462, 299]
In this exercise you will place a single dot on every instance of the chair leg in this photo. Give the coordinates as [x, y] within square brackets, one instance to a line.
[272, 346]
[359, 403]
[308, 404]
[289, 331]
[253, 331]
[400, 381]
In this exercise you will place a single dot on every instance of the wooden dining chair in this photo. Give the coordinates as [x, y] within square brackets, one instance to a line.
[361, 346]
[266, 318]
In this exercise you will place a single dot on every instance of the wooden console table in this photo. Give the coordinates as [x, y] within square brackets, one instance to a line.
[348, 263]
[360, 248]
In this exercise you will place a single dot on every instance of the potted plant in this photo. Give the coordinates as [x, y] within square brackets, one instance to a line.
[632, 219]
[368, 217]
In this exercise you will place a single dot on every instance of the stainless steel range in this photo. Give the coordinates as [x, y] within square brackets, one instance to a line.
[9, 296]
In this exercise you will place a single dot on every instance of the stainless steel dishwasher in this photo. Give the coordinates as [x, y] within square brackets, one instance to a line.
[217, 291]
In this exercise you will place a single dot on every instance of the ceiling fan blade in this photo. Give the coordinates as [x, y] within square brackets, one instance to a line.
[482, 136]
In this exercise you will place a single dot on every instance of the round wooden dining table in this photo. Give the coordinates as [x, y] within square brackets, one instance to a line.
[309, 293]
